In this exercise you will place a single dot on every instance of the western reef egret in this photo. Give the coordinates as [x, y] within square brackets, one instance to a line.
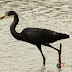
[35, 36]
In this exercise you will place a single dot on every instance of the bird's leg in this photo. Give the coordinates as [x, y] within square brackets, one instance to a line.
[59, 52]
[60, 56]
[39, 47]
[47, 44]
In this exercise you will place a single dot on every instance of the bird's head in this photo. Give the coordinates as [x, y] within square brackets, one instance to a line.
[8, 13]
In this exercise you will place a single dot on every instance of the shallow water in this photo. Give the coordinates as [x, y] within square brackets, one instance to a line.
[18, 56]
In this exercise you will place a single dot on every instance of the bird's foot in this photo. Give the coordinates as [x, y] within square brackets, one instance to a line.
[43, 64]
[58, 65]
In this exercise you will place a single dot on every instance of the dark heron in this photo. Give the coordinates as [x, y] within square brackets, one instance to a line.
[35, 36]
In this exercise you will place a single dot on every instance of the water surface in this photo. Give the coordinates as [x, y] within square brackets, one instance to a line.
[18, 56]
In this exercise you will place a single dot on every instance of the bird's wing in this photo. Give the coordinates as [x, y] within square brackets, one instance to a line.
[39, 35]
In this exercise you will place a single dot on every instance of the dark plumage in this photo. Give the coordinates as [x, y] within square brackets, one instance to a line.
[36, 36]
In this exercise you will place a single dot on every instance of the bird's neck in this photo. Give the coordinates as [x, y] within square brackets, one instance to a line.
[13, 26]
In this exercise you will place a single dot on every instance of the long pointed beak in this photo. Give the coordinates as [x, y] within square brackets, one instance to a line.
[3, 17]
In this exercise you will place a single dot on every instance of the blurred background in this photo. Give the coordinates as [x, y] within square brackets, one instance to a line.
[18, 56]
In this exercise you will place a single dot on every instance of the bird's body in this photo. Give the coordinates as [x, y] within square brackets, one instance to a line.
[40, 36]
[36, 36]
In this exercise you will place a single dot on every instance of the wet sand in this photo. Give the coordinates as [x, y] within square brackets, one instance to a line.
[18, 56]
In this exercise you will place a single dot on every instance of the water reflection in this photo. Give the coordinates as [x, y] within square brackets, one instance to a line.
[41, 69]
[59, 69]
[44, 69]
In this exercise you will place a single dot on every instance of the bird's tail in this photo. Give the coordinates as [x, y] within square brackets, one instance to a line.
[62, 36]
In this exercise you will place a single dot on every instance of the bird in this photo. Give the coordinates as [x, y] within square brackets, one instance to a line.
[35, 36]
